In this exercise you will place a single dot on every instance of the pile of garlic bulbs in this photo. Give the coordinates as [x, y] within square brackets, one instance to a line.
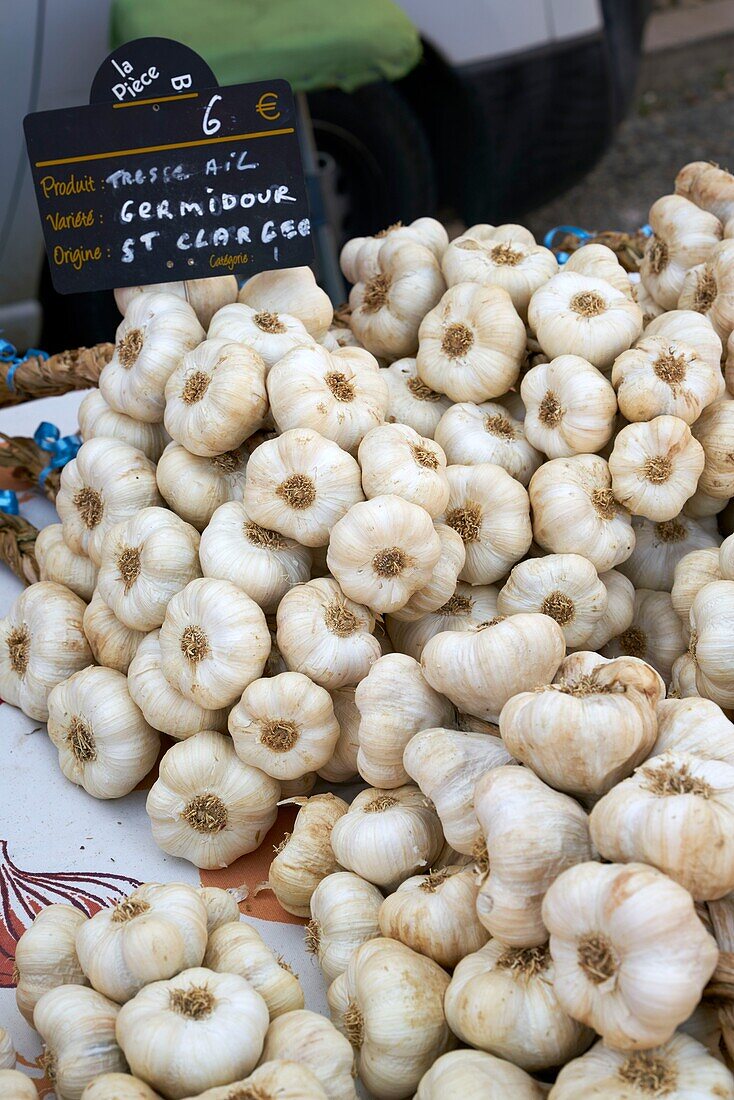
[469, 546]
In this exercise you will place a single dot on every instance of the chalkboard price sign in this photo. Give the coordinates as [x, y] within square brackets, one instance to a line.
[160, 180]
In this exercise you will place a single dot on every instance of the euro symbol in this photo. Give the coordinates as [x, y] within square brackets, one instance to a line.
[267, 106]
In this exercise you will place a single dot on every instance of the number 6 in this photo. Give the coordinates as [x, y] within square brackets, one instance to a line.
[211, 125]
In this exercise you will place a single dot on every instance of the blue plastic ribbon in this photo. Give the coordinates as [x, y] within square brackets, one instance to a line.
[8, 502]
[62, 448]
[574, 230]
[9, 354]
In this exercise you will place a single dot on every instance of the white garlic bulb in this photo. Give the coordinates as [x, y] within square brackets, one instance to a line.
[326, 636]
[281, 1078]
[471, 344]
[531, 834]
[660, 376]
[683, 678]
[709, 290]
[394, 702]
[206, 805]
[396, 460]
[312, 1040]
[344, 915]
[480, 669]
[708, 186]
[619, 612]
[474, 1075]
[301, 484]
[410, 400]
[470, 434]
[113, 644]
[195, 487]
[291, 290]
[284, 725]
[205, 296]
[446, 764]
[714, 430]
[659, 547]
[342, 766]
[216, 397]
[386, 982]
[238, 948]
[118, 1086]
[214, 642]
[164, 708]
[631, 956]
[56, 562]
[711, 641]
[695, 726]
[656, 633]
[17, 1086]
[97, 418]
[153, 933]
[601, 263]
[580, 315]
[682, 237]
[570, 407]
[655, 467]
[564, 586]
[386, 836]
[104, 743]
[501, 1000]
[41, 643]
[45, 956]
[156, 332]
[697, 569]
[500, 255]
[467, 607]
[305, 856]
[106, 483]
[358, 257]
[382, 551]
[77, 1026]
[685, 326]
[269, 334]
[193, 1031]
[221, 907]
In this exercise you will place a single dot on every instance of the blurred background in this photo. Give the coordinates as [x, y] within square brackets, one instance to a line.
[539, 111]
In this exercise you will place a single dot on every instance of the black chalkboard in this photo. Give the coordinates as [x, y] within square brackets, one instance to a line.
[160, 180]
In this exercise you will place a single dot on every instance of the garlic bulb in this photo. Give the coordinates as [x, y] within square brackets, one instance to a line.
[655, 634]
[395, 459]
[97, 418]
[470, 434]
[714, 430]
[216, 397]
[305, 856]
[386, 836]
[531, 834]
[42, 644]
[442, 585]
[711, 641]
[587, 732]
[480, 669]
[238, 948]
[619, 612]
[564, 586]
[312, 1040]
[386, 982]
[156, 332]
[342, 766]
[113, 644]
[205, 296]
[326, 636]
[650, 308]
[683, 678]
[283, 1079]
[388, 307]
[660, 376]
[394, 702]
[164, 708]
[584, 316]
[411, 401]
[500, 255]
[77, 1026]
[105, 745]
[106, 483]
[695, 726]
[708, 186]
[726, 558]
[471, 345]
[301, 484]
[16, 1086]
[655, 467]
[340, 394]
[118, 1086]
[708, 289]
[446, 763]
[382, 551]
[631, 956]
[467, 607]
[193, 1031]
[673, 814]
[344, 915]
[45, 956]
[56, 562]
[601, 263]
[290, 290]
[153, 933]
[575, 511]
[501, 1000]
[206, 805]
[659, 547]
[685, 326]
[284, 725]
[683, 236]
[491, 512]
[474, 1075]
[679, 1068]
[270, 335]
[358, 257]
[195, 487]
[221, 907]
[214, 642]
[570, 407]
[435, 915]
